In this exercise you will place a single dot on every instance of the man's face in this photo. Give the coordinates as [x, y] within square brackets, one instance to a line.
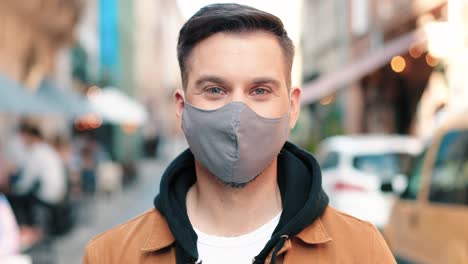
[241, 67]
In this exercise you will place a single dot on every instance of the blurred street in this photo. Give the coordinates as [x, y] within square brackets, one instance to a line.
[99, 213]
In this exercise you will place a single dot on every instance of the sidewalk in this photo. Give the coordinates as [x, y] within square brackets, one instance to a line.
[101, 212]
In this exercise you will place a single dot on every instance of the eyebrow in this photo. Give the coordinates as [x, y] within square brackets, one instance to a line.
[266, 80]
[210, 79]
[219, 80]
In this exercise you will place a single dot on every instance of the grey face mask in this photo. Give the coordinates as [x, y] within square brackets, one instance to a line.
[233, 142]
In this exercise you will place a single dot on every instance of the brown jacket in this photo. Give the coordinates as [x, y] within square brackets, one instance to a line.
[333, 238]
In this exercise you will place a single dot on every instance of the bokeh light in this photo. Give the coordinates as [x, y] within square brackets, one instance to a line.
[398, 64]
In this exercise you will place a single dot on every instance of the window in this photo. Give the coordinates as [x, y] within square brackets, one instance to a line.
[331, 161]
[383, 165]
[414, 178]
[450, 175]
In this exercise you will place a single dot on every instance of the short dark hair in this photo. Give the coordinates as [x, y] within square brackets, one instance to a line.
[216, 18]
[30, 129]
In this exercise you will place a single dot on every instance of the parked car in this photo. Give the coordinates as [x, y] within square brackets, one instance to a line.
[429, 223]
[362, 173]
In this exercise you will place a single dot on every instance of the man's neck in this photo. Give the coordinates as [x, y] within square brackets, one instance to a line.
[221, 210]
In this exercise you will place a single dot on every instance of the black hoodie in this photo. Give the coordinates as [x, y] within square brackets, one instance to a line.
[300, 184]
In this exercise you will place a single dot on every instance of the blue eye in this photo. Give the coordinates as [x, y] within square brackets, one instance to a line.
[260, 91]
[215, 90]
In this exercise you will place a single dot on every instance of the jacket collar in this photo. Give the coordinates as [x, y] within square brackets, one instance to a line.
[314, 233]
[160, 236]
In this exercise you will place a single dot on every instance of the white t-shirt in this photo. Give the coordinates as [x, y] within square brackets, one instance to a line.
[43, 164]
[234, 250]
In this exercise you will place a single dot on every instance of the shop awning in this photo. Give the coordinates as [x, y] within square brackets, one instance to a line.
[70, 103]
[114, 106]
[331, 82]
[16, 99]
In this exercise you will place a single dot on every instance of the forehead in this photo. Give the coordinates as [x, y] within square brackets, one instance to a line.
[238, 56]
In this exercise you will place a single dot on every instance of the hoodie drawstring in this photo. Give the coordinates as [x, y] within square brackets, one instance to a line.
[279, 245]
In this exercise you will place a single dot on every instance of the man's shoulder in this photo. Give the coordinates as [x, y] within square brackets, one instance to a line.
[129, 242]
[342, 225]
[355, 238]
[334, 219]
[133, 233]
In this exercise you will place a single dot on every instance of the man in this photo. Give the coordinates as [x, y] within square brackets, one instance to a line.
[241, 193]
[42, 181]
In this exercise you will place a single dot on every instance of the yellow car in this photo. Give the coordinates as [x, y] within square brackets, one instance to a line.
[429, 223]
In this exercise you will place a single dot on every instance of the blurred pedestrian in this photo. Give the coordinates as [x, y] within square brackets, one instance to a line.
[70, 159]
[109, 177]
[241, 193]
[88, 170]
[16, 153]
[42, 180]
[9, 231]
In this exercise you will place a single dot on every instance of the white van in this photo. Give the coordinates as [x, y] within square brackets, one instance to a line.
[361, 173]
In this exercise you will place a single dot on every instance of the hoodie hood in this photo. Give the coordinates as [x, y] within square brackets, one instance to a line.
[300, 183]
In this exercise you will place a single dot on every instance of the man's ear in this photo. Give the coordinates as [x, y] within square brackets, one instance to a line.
[179, 103]
[296, 93]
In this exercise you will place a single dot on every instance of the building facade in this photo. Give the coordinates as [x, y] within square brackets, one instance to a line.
[368, 60]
